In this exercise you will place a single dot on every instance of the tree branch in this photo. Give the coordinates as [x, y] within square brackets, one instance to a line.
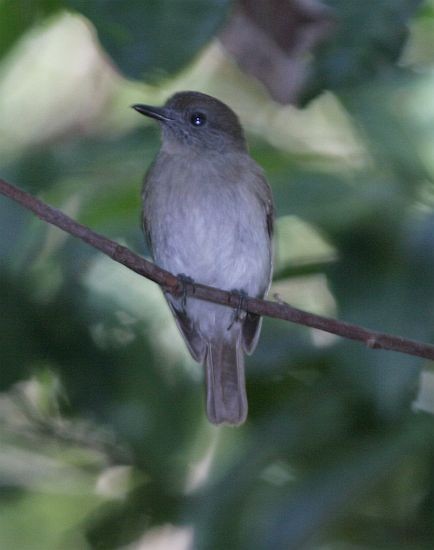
[277, 310]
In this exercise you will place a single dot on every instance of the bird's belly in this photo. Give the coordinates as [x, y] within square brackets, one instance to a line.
[215, 246]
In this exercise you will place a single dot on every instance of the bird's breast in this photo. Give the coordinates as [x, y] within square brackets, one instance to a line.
[206, 222]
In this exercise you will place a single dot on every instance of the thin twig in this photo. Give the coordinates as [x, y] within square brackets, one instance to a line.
[278, 310]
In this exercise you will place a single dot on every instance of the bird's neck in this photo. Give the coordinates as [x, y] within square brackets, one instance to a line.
[197, 150]
[194, 159]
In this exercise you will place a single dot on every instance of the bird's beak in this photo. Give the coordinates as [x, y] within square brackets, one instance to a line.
[159, 113]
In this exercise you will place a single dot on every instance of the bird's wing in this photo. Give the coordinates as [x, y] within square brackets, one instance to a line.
[252, 323]
[145, 221]
[192, 338]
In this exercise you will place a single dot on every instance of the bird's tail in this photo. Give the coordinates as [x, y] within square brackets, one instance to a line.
[226, 399]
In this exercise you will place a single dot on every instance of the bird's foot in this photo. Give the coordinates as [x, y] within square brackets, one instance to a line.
[184, 281]
[239, 313]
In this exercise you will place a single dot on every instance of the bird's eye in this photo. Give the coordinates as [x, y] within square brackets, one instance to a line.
[198, 119]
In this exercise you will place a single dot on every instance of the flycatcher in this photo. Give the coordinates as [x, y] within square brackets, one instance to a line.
[208, 216]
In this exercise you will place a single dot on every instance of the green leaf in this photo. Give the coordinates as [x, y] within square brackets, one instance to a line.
[16, 16]
[299, 516]
[367, 39]
[153, 36]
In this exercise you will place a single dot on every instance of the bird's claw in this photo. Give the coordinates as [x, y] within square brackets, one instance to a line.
[239, 313]
[184, 281]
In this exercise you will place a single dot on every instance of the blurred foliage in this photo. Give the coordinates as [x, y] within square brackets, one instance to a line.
[368, 39]
[17, 16]
[104, 443]
[160, 38]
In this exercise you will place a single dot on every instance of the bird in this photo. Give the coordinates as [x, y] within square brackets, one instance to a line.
[207, 217]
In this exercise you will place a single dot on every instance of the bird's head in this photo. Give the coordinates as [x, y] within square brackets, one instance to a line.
[197, 121]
